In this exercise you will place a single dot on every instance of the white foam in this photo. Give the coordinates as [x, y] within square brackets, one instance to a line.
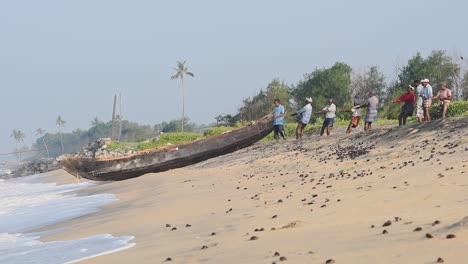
[28, 250]
[27, 204]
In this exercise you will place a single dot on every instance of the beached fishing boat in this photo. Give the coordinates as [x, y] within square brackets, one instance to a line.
[169, 157]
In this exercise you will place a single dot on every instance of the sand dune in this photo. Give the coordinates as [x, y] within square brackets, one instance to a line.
[390, 195]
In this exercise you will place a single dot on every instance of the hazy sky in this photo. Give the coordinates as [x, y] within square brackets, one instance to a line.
[69, 57]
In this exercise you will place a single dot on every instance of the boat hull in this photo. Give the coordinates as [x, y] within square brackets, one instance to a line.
[171, 157]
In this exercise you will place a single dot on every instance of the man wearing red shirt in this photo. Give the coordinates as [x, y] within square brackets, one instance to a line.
[407, 109]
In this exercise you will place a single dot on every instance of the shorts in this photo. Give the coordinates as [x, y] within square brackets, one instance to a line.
[329, 122]
[445, 102]
[355, 121]
[427, 103]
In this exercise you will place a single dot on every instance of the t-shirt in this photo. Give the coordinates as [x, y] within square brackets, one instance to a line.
[373, 102]
[356, 111]
[407, 97]
[279, 110]
[305, 113]
[444, 94]
[427, 92]
[418, 92]
[330, 111]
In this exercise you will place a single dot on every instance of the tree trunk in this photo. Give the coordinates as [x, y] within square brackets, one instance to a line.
[183, 102]
[61, 142]
[45, 145]
[113, 118]
[17, 151]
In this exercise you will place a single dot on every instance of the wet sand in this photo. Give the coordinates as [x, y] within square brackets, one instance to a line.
[389, 195]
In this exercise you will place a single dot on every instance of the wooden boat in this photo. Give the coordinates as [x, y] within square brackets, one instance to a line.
[169, 157]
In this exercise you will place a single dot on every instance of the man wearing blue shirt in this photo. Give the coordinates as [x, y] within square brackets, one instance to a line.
[426, 94]
[278, 120]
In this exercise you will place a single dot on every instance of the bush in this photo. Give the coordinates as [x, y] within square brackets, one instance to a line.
[457, 108]
[120, 145]
[169, 138]
[212, 131]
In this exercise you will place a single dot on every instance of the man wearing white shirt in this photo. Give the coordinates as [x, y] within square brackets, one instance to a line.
[329, 110]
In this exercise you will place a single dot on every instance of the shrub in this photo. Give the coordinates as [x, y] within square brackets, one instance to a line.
[169, 138]
[120, 145]
[212, 131]
[457, 108]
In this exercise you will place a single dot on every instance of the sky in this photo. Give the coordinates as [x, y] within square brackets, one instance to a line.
[69, 58]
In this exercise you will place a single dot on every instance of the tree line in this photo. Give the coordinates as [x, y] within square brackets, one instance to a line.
[339, 81]
[346, 85]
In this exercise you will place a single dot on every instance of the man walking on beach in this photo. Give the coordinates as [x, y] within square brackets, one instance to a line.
[329, 110]
[426, 95]
[304, 117]
[407, 109]
[278, 120]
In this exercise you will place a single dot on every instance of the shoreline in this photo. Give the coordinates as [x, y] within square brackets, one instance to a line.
[298, 200]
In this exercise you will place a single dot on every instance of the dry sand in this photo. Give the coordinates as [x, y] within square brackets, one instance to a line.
[298, 202]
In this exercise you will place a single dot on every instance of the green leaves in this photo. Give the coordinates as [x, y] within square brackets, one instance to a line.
[323, 84]
[18, 135]
[459, 108]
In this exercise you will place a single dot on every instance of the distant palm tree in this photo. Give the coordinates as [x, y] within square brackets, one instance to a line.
[61, 124]
[95, 122]
[19, 137]
[180, 73]
[41, 133]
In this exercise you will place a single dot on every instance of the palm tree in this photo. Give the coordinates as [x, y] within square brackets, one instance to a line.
[41, 133]
[61, 124]
[19, 137]
[180, 73]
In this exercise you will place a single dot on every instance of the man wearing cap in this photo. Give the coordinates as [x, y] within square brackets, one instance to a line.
[407, 109]
[304, 117]
[426, 95]
[278, 121]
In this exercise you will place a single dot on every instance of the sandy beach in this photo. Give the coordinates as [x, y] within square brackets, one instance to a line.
[389, 195]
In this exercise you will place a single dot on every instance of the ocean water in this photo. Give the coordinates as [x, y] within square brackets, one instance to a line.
[26, 204]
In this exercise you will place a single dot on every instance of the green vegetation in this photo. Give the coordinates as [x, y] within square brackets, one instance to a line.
[459, 108]
[164, 140]
[212, 131]
[169, 138]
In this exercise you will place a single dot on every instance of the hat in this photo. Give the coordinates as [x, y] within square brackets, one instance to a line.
[411, 87]
[425, 80]
[309, 99]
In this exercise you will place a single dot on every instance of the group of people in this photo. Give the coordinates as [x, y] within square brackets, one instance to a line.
[421, 101]
[329, 111]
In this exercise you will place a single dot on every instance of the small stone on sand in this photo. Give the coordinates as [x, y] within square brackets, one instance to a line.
[450, 236]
